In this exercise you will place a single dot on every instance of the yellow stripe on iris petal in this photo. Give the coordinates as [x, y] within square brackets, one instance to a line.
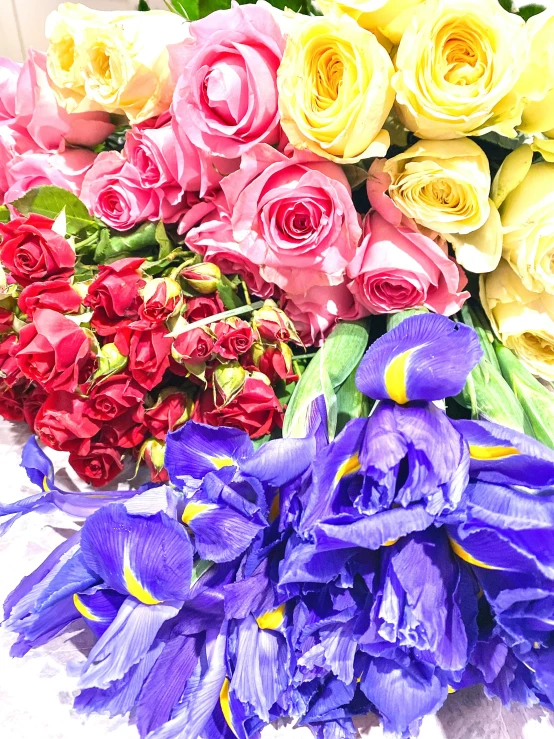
[226, 705]
[272, 619]
[467, 557]
[83, 610]
[390, 542]
[219, 462]
[195, 509]
[451, 689]
[485, 453]
[133, 585]
[395, 377]
[45, 485]
[348, 467]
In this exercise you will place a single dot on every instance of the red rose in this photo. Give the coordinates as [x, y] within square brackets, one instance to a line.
[152, 453]
[114, 295]
[233, 337]
[161, 298]
[6, 321]
[255, 409]
[202, 307]
[33, 252]
[275, 362]
[55, 295]
[171, 411]
[98, 466]
[9, 366]
[11, 405]
[113, 396]
[32, 403]
[62, 423]
[194, 346]
[54, 352]
[273, 325]
[149, 355]
[126, 431]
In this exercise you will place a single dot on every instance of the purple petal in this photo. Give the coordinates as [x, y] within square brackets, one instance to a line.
[279, 461]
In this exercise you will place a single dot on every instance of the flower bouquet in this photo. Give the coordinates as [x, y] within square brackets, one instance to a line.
[295, 267]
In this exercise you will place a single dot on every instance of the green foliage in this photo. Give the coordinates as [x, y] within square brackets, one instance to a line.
[118, 247]
[143, 5]
[4, 214]
[195, 9]
[528, 11]
[506, 4]
[50, 201]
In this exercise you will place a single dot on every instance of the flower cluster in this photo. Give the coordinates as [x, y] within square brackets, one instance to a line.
[315, 578]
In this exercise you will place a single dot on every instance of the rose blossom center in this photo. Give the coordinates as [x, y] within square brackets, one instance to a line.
[225, 90]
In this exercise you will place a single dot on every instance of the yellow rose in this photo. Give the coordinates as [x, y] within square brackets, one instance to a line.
[444, 186]
[524, 193]
[335, 89]
[457, 68]
[523, 320]
[112, 61]
[537, 81]
[544, 145]
[387, 19]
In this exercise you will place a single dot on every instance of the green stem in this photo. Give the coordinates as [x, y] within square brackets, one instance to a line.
[222, 316]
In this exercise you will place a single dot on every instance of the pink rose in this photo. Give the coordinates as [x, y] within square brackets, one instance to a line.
[226, 92]
[397, 266]
[9, 74]
[113, 191]
[316, 313]
[291, 215]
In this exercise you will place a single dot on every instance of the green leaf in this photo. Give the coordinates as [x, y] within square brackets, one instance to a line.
[228, 294]
[50, 201]
[528, 11]
[394, 319]
[351, 403]
[118, 247]
[143, 5]
[4, 214]
[506, 4]
[187, 8]
[163, 240]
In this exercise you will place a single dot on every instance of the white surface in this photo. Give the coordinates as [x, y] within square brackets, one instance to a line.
[36, 693]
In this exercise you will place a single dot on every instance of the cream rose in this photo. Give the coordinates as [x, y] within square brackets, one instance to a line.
[112, 61]
[335, 89]
[544, 145]
[457, 65]
[525, 195]
[537, 81]
[522, 319]
[444, 186]
[387, 19]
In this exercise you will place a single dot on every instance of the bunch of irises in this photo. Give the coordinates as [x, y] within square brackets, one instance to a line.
[315, 579]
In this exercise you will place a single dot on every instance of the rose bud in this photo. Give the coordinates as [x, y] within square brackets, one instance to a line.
[233, 337]
[98, 466]
[114, 396]
[32, 403]
[202, 307]
[193, 347]
[55, 352]
[62, 423]
[255, 410]
[204, 278]
[32, 252]
[161, 297]
[11, 405]
[273, 325]
[228, 381]
[110, 361]
[152, 453]
[56, 295]
[275, 362]
[114, 295]
[126, 431]
[149, 352]
[171, 410]
[10, 372]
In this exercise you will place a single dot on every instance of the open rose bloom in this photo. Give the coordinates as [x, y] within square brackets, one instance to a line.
[278, 286]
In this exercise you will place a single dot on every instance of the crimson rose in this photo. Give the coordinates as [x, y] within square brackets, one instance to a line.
[54, 352]
[55, 295]
[233, 337]
[149, 351]
[98, 466]
[114, 295]
[9, 366]
[113, 396]
[32, 403]
[11, 405]
[255, 409]
[202, 307]
[171, 411]
[33, 252]
[62, 423]
[125, 431]
[193, 347]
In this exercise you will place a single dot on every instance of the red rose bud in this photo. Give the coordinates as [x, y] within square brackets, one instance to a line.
[56, 295]
[152, 453]
[114, 396]
[10, 372]
[273, 325]
[32, 252]
[202, 307]
[256, 409]
[62, 423]
[11, 405]
[149, 351]
[193, 347]
[275, 362]
[233, 337]
[32, 403]
[228, 382]
[126, 431]
[114, 295]
[161, 297]
[98, 466]
[6, 321]
[55, 352]
[204, 278]
[172, 409]
[110, 361]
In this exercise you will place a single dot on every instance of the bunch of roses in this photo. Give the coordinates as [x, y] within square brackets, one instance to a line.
[108, 367]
